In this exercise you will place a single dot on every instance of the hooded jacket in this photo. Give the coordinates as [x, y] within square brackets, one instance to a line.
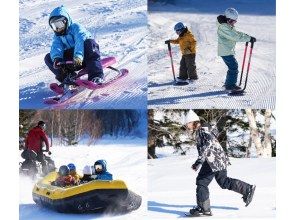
[74, 36]
[187, 42]
[35, 138]
[210, 150]
[228, 36]
[103, 175]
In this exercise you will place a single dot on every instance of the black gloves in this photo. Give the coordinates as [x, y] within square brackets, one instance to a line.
[252, 39]
[196, 165]
[56, 63]
[167, 42]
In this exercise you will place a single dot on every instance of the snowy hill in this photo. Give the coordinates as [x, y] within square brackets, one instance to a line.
[126, 160]
[119, 27]
[256, 17]
[171, 187]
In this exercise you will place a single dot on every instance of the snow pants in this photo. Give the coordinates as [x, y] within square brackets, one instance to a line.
[188, 67]
[206, 175]
[91, 61]
[232, 73]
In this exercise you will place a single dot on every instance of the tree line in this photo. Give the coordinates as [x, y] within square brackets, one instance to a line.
[69, 127]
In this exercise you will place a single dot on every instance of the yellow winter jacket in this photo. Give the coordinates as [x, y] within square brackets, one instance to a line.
[187, 43]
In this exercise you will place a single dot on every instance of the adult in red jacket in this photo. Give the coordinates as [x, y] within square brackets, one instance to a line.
[35, 139]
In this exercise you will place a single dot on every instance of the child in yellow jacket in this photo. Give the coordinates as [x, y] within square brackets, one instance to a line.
[187, 43]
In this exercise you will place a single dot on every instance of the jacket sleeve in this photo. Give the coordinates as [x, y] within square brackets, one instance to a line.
[175, 41]
[57, 48]
[204, 145]
[80, 35]
[45, 139]
[231, 34]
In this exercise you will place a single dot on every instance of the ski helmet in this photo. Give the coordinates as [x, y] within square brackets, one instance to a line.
[179, 27]
[63, 170]
[231, 13]
[87, 170]
[191, 116]
[58, 23]
[100, 165]
[71, 167]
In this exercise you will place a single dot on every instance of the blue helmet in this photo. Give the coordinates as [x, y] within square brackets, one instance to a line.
[100, 166]
[179, 27]
[63, 170]
[71, 167]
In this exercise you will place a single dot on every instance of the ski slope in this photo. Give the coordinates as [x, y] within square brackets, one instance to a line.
[171, 188]
[126, 160]
[256, 17]
[120, 29]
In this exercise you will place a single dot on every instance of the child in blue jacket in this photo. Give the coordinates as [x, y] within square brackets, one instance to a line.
[72, 42]
[101, 171]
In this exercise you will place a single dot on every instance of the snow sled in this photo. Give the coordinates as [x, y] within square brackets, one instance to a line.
[111, 197]
[32, 168]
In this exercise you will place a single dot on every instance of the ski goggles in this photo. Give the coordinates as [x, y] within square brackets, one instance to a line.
[58, 24]
[98, 167]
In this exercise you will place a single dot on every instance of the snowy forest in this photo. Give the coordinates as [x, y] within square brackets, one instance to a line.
[241, 133]
[70, 127]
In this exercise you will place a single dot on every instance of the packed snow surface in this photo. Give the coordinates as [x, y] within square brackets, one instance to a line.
[171, 187]
[126, 160]
[256, 18]
[120, 29]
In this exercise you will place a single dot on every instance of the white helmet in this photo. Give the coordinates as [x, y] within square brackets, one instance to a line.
[87, 170]
[231, 13]
[191, 116]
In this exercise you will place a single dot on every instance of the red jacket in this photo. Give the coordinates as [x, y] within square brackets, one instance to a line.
[35, 138]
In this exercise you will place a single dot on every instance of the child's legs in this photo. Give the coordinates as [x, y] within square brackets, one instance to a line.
[204, 178]
[235, 185]
[232, 73]
[92, 59]
[183, 69]
[191, 66]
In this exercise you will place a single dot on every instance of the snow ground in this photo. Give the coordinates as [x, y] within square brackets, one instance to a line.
[120, 29]
[171, 187]
[126, 160]
[256, 17]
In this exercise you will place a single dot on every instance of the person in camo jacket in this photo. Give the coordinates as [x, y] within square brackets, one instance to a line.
[213, 162]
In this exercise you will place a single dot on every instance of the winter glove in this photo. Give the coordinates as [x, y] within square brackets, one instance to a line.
[77, 62]
[56, 63]
[252, 39]
[167, 42]
[196, 165]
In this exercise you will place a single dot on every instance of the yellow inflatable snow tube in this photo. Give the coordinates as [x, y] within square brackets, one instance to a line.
[94, 196]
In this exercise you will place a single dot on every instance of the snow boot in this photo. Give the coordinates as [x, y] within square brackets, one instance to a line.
[249, 196]
[203, 208]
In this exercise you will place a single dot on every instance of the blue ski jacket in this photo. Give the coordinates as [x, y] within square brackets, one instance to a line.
[104, 175]
[74, 37]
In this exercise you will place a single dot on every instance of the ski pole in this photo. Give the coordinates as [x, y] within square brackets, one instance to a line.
[243, 64]
[171, 59]
[248, 66]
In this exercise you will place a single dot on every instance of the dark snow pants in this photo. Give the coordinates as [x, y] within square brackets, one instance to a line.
[188, 67]
[206, 175]
[232, 73]
[91, 61]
